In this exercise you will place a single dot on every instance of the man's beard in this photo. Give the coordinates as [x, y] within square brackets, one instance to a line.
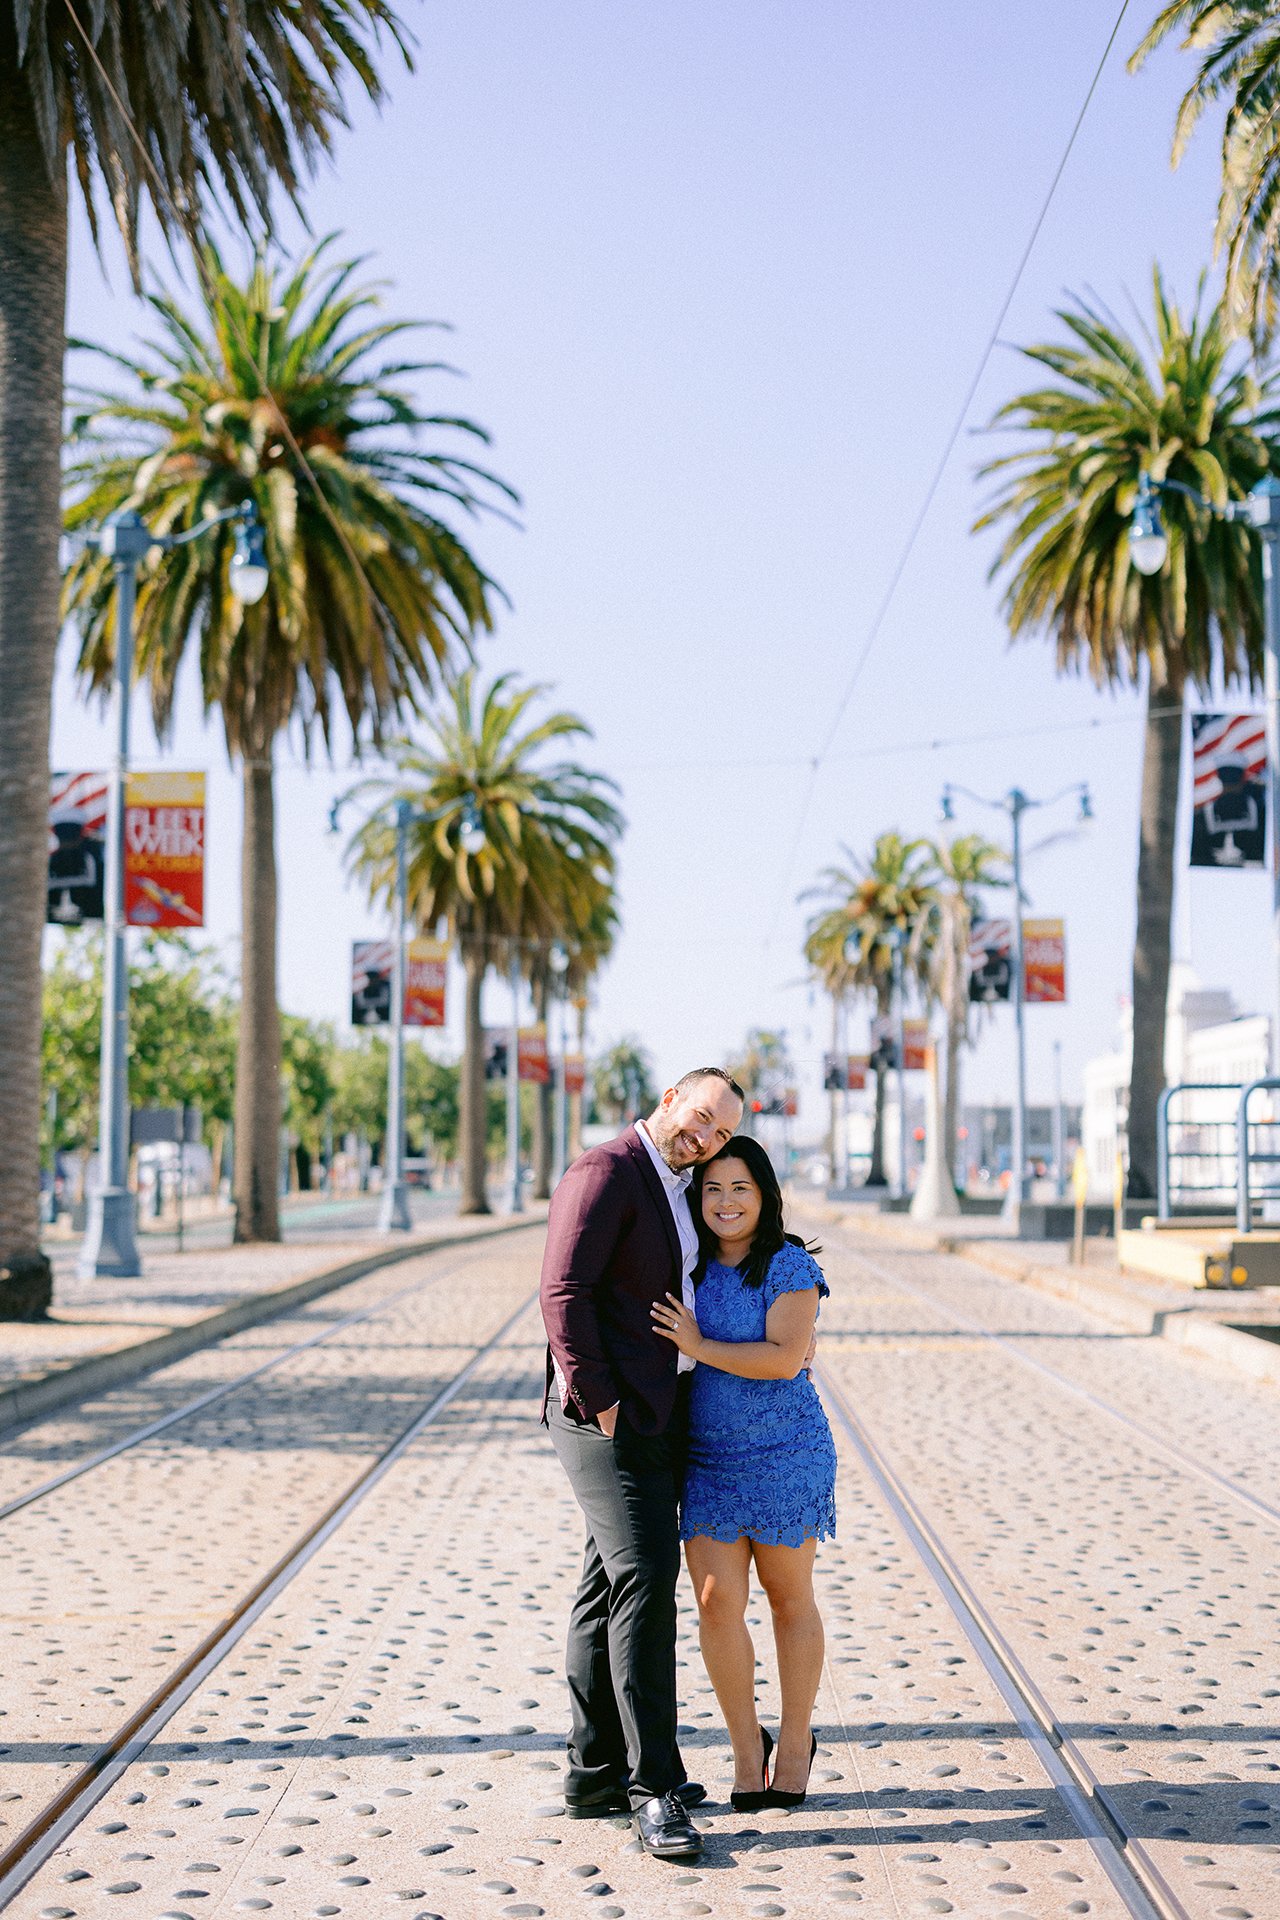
[666, 1138]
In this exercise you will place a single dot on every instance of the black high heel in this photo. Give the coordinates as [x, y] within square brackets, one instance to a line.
[752, 1799]
[779, 1797]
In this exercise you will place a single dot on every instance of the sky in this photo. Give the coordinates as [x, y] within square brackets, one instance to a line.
[719, 277]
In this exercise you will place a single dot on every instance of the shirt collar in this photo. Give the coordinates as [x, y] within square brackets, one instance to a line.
[668, 1175]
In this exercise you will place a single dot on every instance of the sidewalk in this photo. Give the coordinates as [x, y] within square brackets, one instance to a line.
[1210, 1321]
[102, 1331]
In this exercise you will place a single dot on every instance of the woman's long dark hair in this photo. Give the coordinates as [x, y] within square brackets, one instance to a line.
[770, 1235]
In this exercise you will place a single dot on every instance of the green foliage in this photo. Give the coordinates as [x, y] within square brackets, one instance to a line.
[181, 1032]
[1194, 415]
[359, 1080]
[764, 1069]
[872, 899]
[622, 1082]
[307, 1050]
[370, 590]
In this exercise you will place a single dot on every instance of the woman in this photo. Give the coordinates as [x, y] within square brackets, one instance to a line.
[761, 1477]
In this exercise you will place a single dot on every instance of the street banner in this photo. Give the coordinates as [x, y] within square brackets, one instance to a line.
[533, 1063]
[856, 1072]
[575, 1073]
[990, 961]
[371, 983]
[1229, 791]
[77, 848]
[497, 1045]
[164, 849]
[1044, 962]
[915, 1038]
[426, 971]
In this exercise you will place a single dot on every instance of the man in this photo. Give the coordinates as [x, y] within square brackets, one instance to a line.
[620, 1236]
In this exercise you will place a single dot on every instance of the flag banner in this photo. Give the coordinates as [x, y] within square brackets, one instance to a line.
[77, 848]
[497, 1045]
[533, 1063]
[425, 974]
[371, 983]
[1229, 791]
[884, 1044]
[1044, 962]
[856, 1072]
[164, 849]
[990, 960]
[831, 1081]
[575, 1073]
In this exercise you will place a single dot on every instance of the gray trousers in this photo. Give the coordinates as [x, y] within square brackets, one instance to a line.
[621, 1655]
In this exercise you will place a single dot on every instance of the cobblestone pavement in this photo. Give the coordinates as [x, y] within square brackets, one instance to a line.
[387, 1736]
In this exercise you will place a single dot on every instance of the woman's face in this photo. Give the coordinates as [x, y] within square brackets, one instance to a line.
[730, 1200]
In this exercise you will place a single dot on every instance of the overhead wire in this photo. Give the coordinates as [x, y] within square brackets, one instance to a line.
[922, 512]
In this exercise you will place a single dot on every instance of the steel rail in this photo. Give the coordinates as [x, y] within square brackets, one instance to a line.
[1127, 1863]
[1263, 1509]
[33, 1846]
[213, 1394]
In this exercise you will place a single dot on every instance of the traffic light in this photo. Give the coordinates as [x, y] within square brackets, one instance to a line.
[495, 1057]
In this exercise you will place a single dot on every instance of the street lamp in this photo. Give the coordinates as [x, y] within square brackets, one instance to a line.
[1148, 548]
[1015, 803]
[558, 959]
[895, 939]
[109, 1246]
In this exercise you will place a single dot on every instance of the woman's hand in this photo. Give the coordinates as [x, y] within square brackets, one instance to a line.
[673, 1320]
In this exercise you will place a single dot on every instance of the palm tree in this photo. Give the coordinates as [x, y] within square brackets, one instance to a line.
[1184, 410]
[157, 103]
[962, 867]
[588, 953]
[872, 899]
[1237, 44]
[549, 830]
[371, 592]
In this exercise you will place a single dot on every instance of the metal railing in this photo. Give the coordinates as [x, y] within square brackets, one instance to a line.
[1197, 1156]
[1257, 1145]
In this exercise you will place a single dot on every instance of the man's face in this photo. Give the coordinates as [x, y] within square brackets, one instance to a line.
[691, 1125]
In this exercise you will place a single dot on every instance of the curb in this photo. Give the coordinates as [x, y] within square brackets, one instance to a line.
[1243, 1353]
[38, 1394]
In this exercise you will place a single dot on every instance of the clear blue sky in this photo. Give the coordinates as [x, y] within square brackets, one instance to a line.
[719, 276]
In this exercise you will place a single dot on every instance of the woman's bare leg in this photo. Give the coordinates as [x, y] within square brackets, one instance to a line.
[721, 1574]
[786, 1574]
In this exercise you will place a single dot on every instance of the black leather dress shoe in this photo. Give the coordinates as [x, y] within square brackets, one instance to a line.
[666, 1830]
[600, 1806]
[691, 1793]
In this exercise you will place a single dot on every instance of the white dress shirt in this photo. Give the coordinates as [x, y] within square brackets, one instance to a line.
[676, 1186]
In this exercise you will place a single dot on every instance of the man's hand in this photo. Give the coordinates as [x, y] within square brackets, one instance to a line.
[608, 1420]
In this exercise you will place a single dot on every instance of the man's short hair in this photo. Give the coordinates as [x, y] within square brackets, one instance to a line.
[710, 1073]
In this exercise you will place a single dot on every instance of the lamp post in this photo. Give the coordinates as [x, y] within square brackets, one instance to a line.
[895, 939]
[1148, 549]
[393, 1213]
[1015, 804]
[559, 961]
[513, 1084]
[109, 1246]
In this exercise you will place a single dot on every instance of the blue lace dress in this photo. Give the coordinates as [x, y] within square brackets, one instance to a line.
[761, 1458]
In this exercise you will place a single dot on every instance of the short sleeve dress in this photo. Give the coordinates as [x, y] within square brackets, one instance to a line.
[762, 1462]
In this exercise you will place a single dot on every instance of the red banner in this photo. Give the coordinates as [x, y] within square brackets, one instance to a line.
[1044, 961]
[856, 1080]
[575, 1073]
[533, 1062]
[425, 974]
[164, 850]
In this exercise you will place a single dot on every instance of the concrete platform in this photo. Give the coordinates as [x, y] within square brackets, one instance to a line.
[1202, 1256]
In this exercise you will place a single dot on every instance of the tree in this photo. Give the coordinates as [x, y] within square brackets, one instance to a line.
[871, 900]
[1237, 43]
[504, 846]
[622, 1082]
[149, 103]
[1186, 410]
[962, 868]
[370, 591]
[181, 1033]
[307, 1050]
[763, 1070]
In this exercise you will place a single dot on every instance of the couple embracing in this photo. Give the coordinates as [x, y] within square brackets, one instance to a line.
[680, 1322]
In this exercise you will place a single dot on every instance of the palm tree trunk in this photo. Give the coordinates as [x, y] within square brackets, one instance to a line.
[33, 269]
[576, 1099]
[257, 1167]
[875, 1173]
[834, 1129]
[1161, 768]
[543, 1106]
[472, 1104]
[951, 1102]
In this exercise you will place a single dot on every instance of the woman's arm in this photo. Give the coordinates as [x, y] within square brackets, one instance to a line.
[781, 1355]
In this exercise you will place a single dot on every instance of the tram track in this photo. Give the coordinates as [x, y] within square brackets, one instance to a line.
[65, 1811]
[1128, 1863]
[1007, 1344]
[212, 1395]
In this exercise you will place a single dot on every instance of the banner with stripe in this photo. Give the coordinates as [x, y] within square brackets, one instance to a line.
[1229, 790]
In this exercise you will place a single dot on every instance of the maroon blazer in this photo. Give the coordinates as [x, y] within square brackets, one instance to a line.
[612, 1250]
